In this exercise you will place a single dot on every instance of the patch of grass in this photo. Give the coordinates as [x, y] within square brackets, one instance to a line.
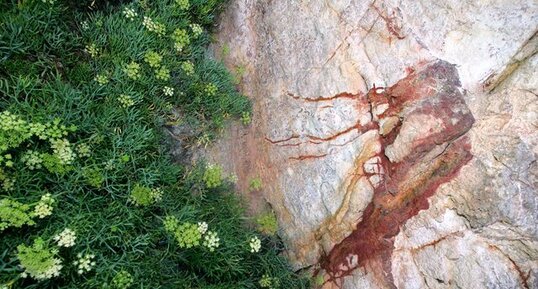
[82, 148]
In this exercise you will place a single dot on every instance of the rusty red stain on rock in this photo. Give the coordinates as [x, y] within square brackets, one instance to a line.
[390, 22]
[361, 129]
[435, 242]
[408, 184]
[281, 140]
[522, 276]
[324, 98]
[306, 157]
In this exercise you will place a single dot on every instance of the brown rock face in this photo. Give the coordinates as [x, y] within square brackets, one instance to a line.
[397, 141]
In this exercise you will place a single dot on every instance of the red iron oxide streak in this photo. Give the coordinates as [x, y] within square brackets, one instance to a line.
[321, 98]
[432, 91]
[390, 22]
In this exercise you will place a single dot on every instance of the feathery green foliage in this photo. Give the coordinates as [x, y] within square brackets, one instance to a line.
[84, 95]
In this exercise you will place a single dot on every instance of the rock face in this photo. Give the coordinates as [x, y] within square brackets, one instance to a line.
[396, 140]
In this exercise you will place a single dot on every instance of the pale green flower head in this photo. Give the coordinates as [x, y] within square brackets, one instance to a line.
[63, 151]
[212, 176]
[211, 89]
[245, 118]
[154, 26]
[84, 25]
[92, 50]
[183, 4]
[162, 73]
[14, 214]
[83, 150]
[102, 79]
[122, 280]
[145, 196]
[44, 206]
[153, 58]
[171, 224]
[181, 39]
[39, 261]
[132, 70]
[187, 67]
[269, 282]
[32, 160]
[196, 29]
[157, 194]
[125, 100]
[188, 235]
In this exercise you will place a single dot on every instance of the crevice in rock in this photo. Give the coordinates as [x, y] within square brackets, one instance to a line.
[528, 49]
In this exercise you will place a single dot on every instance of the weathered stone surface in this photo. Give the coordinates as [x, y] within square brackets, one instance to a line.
[396, 140]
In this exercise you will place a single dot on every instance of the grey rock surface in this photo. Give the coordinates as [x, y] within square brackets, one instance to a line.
[397, 140]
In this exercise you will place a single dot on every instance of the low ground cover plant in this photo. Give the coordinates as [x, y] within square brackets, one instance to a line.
[89, 195]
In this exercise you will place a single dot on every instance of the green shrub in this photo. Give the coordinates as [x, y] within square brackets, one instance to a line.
[86, 179]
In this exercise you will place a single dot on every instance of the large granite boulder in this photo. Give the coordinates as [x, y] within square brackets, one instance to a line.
[397, 140]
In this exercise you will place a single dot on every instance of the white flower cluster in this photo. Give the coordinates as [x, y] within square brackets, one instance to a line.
[129, 13]
[84, 24]
[52, 271]
[44, 207]
[156, 194]
[197, 30]
[202, 227]
[84, 263]
[51, 2]
[62, 149]
[168, 91]
[154, 26]
[211, 241]
[66, 238]
[255, 244]
[32, 160]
